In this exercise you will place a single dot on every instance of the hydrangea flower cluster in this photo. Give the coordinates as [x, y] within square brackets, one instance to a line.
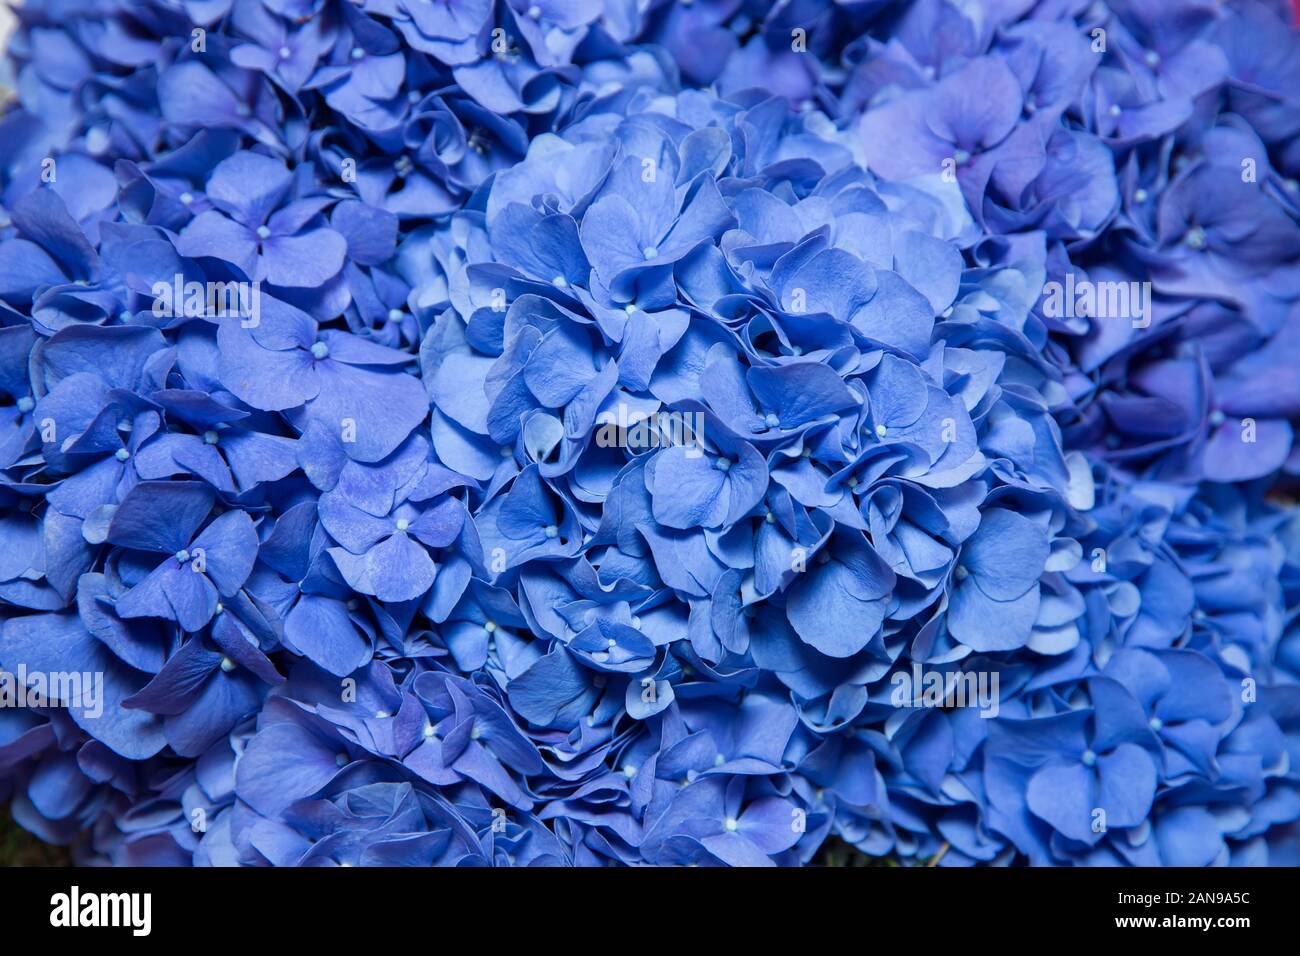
[586, 433]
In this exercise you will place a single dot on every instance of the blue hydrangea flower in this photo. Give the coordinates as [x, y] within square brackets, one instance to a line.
[651, 436]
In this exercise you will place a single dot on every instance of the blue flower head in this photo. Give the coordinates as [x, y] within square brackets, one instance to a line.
[568, 433]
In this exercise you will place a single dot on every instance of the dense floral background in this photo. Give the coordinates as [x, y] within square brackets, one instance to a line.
[982, 321]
